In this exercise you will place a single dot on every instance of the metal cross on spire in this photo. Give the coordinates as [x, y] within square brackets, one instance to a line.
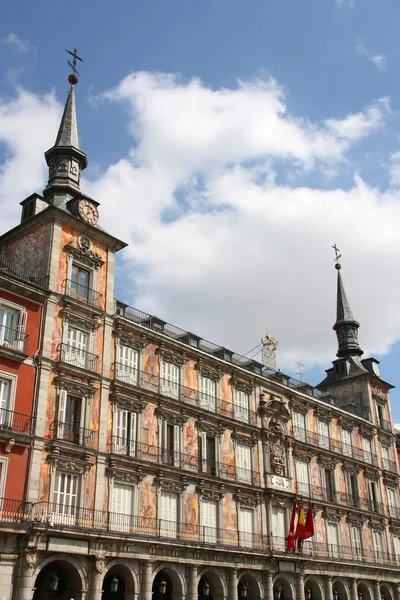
[73, 78]
[337, 255]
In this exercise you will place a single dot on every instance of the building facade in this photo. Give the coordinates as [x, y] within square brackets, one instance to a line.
[164, 466]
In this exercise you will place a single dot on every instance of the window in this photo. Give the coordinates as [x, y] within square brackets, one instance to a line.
[246, 526]
[168, 514]
[76, 349]
[392, 501]
[80, 280]
[170, 379]
[341, 367]
[65, 497]
[396, 544]
[366, 446]
[346, 442]
[386, 457]
[323, 435]
[208, 453]
[352, 487]
[377, 541]
[299, 426]
[3, 470]
[5, 394]
[332, 537]
[278, 528]
[241, 405]
[381, 415]
[71, 416]
[12, 327]
[302, 477]
[243, 463]
[207, 393]
[355, 534]
[122, 507]
[170, 444]
[373, 497]
[128, 365]
[330, 485]
[124, 431]
[209, 520]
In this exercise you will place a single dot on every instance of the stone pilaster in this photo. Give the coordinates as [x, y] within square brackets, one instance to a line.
[233, 585]
[328, 588]
[353, 589]
[300, 595]
[193, 577]
[96, 577]
[268, 586]
[147, 582]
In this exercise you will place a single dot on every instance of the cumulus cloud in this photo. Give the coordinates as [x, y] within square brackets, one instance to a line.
[18, 44]
[378, 60]
[222, 241]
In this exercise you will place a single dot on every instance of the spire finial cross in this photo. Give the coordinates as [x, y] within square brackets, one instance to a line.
[337, 253]
[72, 64]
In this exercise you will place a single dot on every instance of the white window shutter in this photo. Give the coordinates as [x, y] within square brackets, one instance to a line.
[177, 445]
[22, 316]
[120, 425]
[203, 446]
[133, 429]
[128, 364]
[323, 434]
[61, 416]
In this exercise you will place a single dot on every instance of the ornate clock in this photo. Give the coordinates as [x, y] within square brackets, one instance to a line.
[87, 211]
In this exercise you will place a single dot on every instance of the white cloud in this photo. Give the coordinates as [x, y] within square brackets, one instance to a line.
[379, 60]
[16, 42]
[222, 242]
[394, 169]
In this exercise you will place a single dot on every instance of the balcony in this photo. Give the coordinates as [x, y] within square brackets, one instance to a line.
[336, 497]
[73, 434]
[389, 465]
[385, 425]
[16, 270]
[179, 460]
[14, 422]
[78, 358]
[82, 294]
[132, 377]
[13, 341]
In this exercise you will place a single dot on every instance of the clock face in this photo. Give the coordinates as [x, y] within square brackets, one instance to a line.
[88, 211]
[376, 369]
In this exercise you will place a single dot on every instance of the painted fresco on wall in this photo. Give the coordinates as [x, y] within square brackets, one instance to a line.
[90, 487]
[151, 368]
[315, 473]
[191, 511]
[190, 444]
[57, 334]
[29, 249]
[50, 411]
[368, 544]
[190, 382]
[226, 403]
[44, 480]
[228, 455]
[229, 518]
[148, 504]
[311, 421]
[335, 430]
[342, 484]
[150, 433]
[320, 527]
[362, 486]
[345, 533]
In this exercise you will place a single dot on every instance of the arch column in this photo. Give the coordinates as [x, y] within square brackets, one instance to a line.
[26, 583]
[96, 578]
[300, 587]
[233, 585]
[146, 584]
[328, 588]
[269, 586]
[192, 588]
[353, 589]
[377, 590]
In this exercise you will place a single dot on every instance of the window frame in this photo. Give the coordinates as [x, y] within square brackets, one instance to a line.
[240, 449]
[204, 536]
[131, 445]
[13, 381]
[300, 484]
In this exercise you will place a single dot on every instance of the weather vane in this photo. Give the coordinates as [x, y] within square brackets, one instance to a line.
[74, 76]
[337, 256]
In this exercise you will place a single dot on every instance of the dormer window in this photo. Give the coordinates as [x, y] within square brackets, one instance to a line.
[341, 367]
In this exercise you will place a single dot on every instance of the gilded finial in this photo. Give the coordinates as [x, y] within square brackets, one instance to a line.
[74, 76]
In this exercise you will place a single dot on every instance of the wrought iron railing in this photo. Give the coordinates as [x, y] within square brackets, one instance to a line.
[319, 492]
[189, 462]
[57, 516]
[13, 268]
[16, 422]
[14, 339]
[78, 358]
[82, 293]
[389, 465]
[156, 384]
[385, 425]
[394, 512]
[74, 434]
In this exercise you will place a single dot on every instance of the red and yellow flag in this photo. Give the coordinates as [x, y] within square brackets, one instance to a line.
[291, 545]
[309, 527]
[301, 523]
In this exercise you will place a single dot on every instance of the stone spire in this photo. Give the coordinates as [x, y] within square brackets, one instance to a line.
[65, 160]
[346, 326]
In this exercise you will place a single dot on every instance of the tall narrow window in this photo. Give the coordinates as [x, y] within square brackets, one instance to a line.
[396, 544]
[208, 453]
[122, 507]
[65, 497]
[71, 419]
[346, 442]
[207, 393]
[209, 520]
[373, 498]
[330, 485]
[377, 540]
[332, 537]
[79, 286]
[366, 446]
[76, 350]
[124, 431]
[241, 405]
[243, 463]
[128, 365]
[5, 392]
[170, 379]
[170, 444]
[278, 528]
[246, 526]
[355, 533]
[392, 501]
[323, 435]
[386, 458]
[353, 491]
[12, 327]
[299, 426]
[302, 477]
[168, 514]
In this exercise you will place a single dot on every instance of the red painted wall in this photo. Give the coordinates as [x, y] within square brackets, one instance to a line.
[16, 471]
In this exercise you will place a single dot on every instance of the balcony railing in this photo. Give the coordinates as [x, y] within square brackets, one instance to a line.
[148, 453]
[327, 443]
[82, 293]
[385, 425]
[54, 516]
[73, 434]
[316, 492]
[156, 384]
[13, 268]
[389, 465]
[13, 339]
[394, 512]
[78, 358]
[15, 422]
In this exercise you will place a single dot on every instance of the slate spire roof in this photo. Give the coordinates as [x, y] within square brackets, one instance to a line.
[346, 326]
[68, 131]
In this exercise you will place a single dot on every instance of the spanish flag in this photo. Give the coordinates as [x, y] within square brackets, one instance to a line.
[309, 527]
[291, 545]
[301, 524]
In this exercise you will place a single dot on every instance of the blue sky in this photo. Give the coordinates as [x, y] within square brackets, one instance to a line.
[230, 143]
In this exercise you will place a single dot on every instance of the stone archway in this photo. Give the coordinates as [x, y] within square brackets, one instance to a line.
[249, 587]
[218, 590]
[386, 592]
[58, 579]
[175, 588]
[283, 589]
[364, 591]
[340, 590]
[119, 576]
[312, 589]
